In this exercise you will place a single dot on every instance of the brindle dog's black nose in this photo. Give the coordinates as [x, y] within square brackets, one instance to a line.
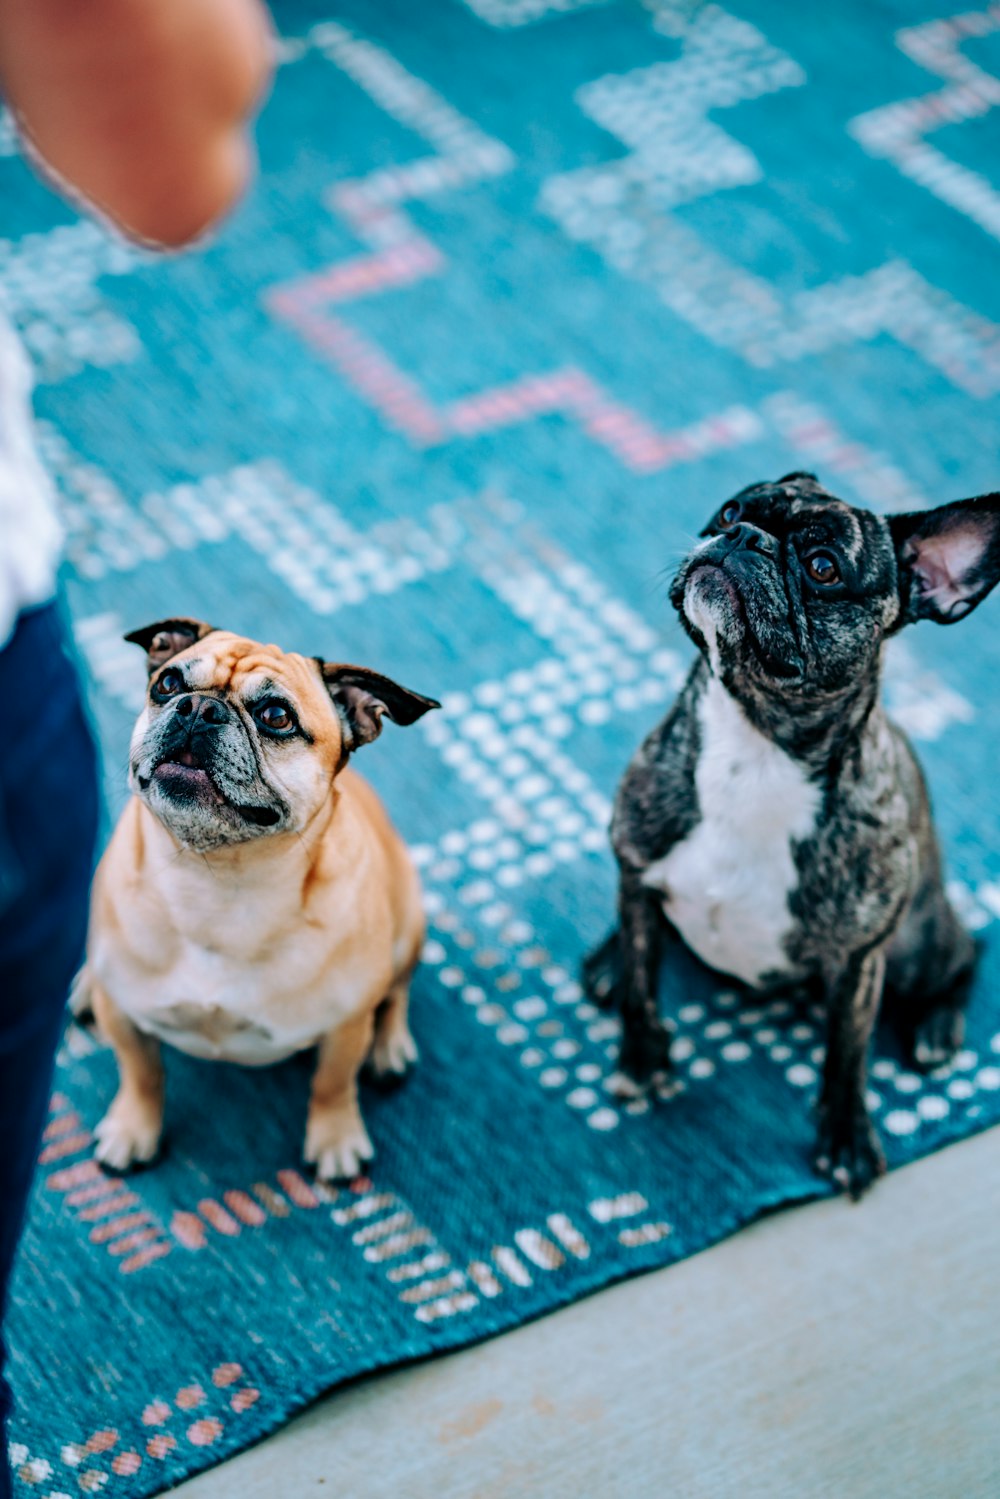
[747, 538]
[203, 711]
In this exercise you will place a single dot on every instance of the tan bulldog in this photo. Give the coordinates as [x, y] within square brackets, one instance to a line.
[254, 899]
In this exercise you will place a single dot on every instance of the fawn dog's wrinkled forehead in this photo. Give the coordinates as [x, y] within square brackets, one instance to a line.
[235, 666]
[237, 737]
[340, 702]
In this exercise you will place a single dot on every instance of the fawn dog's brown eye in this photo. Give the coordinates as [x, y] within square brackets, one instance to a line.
[276, 717]
[168, 684]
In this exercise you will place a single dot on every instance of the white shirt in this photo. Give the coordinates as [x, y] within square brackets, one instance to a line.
[30, 534]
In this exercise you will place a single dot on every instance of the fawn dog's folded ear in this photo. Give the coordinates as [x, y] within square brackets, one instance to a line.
[361, 697]
[948, 558]
[167, 638]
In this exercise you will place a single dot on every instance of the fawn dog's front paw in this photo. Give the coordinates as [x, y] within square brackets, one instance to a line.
[337, 1144]
[129, 1134]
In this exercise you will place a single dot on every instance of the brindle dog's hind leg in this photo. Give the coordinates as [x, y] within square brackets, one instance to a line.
[932, 963]
[602, 969]
[645, 1050]
[938, 1027]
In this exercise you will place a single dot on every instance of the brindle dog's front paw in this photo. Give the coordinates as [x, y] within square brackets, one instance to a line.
[848, 1151]
[937, 1038]
[644, 1059]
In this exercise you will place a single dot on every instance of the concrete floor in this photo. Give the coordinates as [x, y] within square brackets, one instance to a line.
[842, 1351]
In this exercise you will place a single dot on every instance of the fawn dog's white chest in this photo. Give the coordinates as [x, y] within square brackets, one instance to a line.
[726, 885]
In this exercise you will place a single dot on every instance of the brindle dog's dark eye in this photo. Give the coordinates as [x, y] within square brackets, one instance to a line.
[823, 569]
[729, 514]
[276, 718]
[169, 684]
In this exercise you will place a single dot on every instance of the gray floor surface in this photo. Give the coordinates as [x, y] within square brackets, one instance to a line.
[834, 1350]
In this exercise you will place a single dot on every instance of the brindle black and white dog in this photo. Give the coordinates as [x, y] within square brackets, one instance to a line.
[777, 821]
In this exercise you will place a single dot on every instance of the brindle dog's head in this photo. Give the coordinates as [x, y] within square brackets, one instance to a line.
[793, 591]
[239, 740]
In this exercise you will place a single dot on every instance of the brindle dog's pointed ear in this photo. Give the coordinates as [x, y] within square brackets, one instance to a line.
[361, 697]
[168, 638]
[948, 558]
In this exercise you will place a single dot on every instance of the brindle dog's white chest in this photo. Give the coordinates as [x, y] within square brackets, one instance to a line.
[726, 885]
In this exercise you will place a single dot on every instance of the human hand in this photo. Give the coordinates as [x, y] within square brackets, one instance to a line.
[140, 107]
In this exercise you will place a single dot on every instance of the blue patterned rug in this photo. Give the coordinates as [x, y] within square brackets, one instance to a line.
[525, 288]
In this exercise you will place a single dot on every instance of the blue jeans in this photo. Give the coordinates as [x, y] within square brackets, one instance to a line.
[48, 830]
